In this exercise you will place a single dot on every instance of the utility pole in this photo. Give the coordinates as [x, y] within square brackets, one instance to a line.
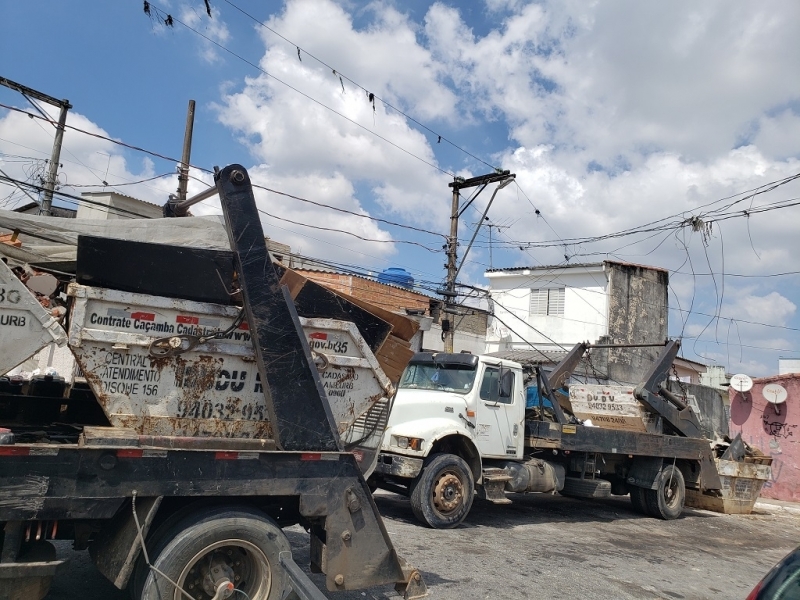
[449, 292]
[183, 172]
[55, 157]
[176, 205]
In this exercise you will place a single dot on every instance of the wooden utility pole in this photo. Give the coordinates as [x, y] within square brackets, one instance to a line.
[55, 157]
[183, 172]
[449, 292]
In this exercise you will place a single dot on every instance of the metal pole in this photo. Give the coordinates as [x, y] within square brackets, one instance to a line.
[183, 172]
[52, 174]
[503, 184]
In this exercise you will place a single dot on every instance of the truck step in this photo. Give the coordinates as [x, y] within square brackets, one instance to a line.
[494, 483]
[586, 488]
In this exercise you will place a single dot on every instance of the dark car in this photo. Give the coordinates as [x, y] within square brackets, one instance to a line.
[782, 582]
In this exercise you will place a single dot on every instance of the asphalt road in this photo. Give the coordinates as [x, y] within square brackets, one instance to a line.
[544, 546]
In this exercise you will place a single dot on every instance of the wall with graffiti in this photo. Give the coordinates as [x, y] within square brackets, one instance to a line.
[773, 428]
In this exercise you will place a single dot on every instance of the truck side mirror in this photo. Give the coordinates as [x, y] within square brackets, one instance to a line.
[506, 384]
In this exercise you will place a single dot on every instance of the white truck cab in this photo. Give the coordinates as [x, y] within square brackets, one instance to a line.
[457, 422]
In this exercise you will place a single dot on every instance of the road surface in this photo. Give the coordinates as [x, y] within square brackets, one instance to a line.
[544, 546]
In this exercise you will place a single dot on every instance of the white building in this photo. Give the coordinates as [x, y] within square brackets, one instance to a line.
[113, 205]
[555, 307]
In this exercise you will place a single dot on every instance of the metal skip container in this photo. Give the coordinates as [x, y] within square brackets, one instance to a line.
[25, 325]
[206, 386]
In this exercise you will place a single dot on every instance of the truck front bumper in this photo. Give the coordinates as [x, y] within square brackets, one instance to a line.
[397, 465]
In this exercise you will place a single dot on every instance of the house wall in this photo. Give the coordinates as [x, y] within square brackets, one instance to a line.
[775, 433]
[585, 308]
[637, 314]
[463, 341]
[104, 204]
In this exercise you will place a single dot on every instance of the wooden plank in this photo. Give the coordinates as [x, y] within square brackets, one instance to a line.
[402, 326]
[292, 280]
[393, 356]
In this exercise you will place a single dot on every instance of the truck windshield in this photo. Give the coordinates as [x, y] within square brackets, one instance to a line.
[450, 378]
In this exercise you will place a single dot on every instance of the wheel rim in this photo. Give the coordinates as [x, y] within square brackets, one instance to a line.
[448, 493]
[238, 561]
[671, 492]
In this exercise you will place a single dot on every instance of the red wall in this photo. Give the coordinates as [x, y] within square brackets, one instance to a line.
[775, 433]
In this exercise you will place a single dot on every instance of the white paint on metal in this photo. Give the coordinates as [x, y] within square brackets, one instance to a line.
[25, 326]
[213, 389]
[609, 406]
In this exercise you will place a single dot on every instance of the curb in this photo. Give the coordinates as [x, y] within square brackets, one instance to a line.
[777, 508]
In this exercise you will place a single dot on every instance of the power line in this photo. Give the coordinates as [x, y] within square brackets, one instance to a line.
[349, 212]
[74, 199]
[161, 156]
[350, 233]
[312, 99]
[370, 95]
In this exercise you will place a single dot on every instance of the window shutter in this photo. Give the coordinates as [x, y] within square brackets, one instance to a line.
[555, 302]
[538, 302]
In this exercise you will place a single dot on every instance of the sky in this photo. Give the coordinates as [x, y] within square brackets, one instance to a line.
[663, 134]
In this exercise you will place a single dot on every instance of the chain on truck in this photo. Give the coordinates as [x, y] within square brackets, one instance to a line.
[461, 424]
[201, 422]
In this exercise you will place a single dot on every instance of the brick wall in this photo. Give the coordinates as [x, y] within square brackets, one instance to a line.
[388, 297]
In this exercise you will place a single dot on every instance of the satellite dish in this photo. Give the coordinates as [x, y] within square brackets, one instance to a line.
[774, 393]
[741, 383]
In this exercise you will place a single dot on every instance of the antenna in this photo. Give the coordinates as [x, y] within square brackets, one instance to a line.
[775, 394]
[487, 223]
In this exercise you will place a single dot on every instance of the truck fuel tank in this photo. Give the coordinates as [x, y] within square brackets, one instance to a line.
[534, 475]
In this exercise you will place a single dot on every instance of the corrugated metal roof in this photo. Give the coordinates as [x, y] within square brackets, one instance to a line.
[548, 359]
[371, 279]
[544, 267]
[531, 357]
[575, 266]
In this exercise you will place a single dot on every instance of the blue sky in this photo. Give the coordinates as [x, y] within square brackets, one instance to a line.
[613, 115]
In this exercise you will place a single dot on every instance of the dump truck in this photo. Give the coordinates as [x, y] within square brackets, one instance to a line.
[218, 399]
[461, 424]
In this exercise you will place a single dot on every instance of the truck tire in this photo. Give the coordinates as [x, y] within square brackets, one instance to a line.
[637, 499]
[238, 544]
[441, 496]
[586, 488]
[666, 501]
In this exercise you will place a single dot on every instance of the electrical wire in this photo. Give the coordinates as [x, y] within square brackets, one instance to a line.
[336, 72]
[312, 99]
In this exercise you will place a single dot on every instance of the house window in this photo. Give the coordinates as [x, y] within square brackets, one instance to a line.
[547, 302]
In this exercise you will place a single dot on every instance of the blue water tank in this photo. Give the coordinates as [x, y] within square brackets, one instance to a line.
[396, 276]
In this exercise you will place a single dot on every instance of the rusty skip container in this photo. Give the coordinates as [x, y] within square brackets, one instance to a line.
[211, 387]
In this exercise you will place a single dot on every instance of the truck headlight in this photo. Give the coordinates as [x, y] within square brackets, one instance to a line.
[404, 442]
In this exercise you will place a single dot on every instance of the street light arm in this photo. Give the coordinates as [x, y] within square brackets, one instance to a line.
[503, 184]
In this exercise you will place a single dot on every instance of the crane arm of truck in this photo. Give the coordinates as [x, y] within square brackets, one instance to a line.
[652, 393]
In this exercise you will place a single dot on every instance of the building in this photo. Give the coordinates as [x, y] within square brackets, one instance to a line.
[555, 307]
[33, 208]
[113, 205]
[773, 429]
[470, 326]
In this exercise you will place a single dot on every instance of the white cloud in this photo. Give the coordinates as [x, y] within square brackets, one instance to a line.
[85, 160]
[213, 28]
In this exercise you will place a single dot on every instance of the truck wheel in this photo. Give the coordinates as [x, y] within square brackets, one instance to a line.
[666, 501]
[202, 552]
[637, 499]
[442, 494]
